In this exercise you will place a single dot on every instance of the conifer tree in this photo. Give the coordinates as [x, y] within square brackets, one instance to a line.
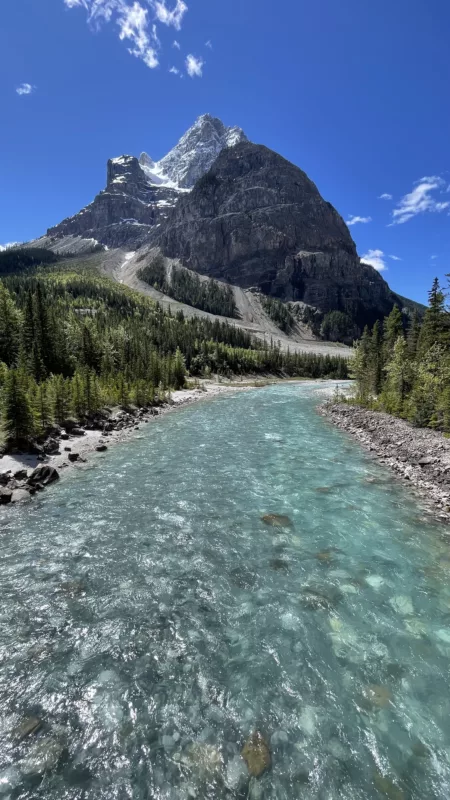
[17, 415]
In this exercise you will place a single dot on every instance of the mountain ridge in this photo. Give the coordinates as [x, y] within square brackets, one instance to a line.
[230, 209]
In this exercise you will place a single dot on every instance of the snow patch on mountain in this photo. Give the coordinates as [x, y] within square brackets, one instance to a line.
[194, 154]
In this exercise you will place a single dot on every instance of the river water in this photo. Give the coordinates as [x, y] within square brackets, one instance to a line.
[151, 621]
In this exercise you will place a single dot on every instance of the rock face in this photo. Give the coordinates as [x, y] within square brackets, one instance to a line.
[236, 211]
[139, 193]
[256, 220]
[125, 212]
[197, 150]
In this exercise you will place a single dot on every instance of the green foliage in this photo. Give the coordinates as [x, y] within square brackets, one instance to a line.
[187, 287]
[279, 312]
[408, 376]
[15, 259]
[72, 343]
[337, 326]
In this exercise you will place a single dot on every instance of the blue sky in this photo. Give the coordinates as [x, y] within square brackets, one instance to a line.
[356, 94]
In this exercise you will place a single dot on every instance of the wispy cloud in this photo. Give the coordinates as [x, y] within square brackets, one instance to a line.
[194, 66]
[433, 258]
[421, 199]
[176, 44]
[385, 196]
[25, 88]
[395, 258]
[136, 22]
[174, 17]
[375, 259]
[354, 220]
[133, 25]
[209, 44]
[174, 71]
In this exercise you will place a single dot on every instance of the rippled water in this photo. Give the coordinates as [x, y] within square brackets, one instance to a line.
[151, 621]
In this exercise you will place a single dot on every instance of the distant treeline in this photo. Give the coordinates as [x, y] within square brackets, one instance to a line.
[17, 259]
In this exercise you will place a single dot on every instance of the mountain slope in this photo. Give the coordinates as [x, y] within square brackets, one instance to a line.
[257, 220]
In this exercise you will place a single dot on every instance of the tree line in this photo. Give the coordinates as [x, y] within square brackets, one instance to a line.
[405, 369]
[73, 343]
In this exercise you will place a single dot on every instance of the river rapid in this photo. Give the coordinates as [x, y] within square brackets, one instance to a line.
[151, 621]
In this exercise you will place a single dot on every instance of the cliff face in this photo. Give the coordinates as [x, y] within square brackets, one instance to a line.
[125, 212]
[258, 221]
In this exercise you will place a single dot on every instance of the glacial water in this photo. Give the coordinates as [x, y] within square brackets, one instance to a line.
[150, 621]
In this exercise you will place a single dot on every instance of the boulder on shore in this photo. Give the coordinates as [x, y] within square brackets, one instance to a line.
[5, 496]
[43, 475]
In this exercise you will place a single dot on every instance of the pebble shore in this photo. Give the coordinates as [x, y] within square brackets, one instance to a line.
[420, 456]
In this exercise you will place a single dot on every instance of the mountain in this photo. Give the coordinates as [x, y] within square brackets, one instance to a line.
[139, 192]
[258, 221]
[233, 210]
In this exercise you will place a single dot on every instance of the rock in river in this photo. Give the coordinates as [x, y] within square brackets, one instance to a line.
[256, 754]
[44, 756]
[25, 728]
[43, 475]
[277, 520]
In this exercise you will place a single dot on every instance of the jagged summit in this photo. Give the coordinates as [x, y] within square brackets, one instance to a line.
[193, 155]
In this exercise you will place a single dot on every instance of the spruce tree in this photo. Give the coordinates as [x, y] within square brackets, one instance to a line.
[17, 415]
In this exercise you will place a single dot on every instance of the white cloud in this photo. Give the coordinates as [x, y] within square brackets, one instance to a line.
[209, 44]
[194, 66]
[25, 88]
[420, 200]
[174, 71]
[135, 21]
[385, 196]
[176, 44]
[167, 17]
[132, 22]
[354, 220]
[375, 258]
[395, 258]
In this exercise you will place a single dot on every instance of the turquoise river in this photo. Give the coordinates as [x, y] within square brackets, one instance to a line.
[151, 621]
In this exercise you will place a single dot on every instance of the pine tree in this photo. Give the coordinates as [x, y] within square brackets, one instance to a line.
[10, 322]
[435, 327]
[17, 414]
[178, 371]
[392, 329]
[375, 361]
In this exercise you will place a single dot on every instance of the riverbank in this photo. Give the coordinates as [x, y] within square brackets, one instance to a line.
[420, 456]
[73, 448]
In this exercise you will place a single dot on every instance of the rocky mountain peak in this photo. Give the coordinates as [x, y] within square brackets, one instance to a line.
[198, 149]
[146, 161]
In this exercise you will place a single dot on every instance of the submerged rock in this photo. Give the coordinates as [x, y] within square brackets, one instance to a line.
[375, 581]
[72, 588]
[388, 788]
[25, 728]
[377, 696]
[236, 775]
[279, 564]
[205, 761]
[44, 756]
[277, 520]
[256, 754]
[402, 605]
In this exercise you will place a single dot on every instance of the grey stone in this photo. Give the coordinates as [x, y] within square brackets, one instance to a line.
[5, 496]
[20, 496]
[43, 475]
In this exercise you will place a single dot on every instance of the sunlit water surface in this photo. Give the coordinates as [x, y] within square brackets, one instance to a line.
[152, 621]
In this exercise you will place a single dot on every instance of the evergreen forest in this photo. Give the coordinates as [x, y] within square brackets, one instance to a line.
[405, 370]
[73, 342]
